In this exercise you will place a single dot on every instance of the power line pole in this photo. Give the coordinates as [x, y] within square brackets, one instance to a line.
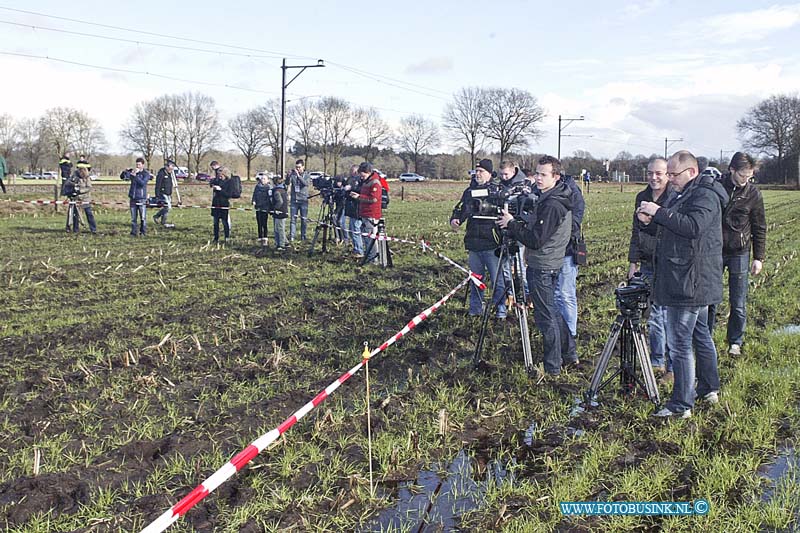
[284, 85]
[667, 142]
[562, 128]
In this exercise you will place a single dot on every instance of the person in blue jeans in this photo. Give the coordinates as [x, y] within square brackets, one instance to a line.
[688, 278]
[299, 180]
[481, 239]
[566, 297]
[641, 251]
[353, 183]
[545, 235]
[137, 193]
[744, 226]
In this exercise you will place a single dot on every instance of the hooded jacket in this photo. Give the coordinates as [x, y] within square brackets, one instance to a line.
[369, 197]
[743, 220]
[280, 201]
[688, 257]
[517, 179]
[261, 197]
[65, 165]
[163, 182]
[138, 189]
[547, 230]
[481, 235]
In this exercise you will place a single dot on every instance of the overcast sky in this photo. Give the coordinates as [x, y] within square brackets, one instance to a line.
[639, 71]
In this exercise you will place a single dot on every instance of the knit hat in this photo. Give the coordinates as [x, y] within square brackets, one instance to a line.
[485, 164]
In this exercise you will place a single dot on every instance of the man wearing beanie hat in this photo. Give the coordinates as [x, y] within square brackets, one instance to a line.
[481, 240]
[369, 206]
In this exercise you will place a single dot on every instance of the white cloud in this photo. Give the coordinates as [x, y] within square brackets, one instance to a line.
[750, 25]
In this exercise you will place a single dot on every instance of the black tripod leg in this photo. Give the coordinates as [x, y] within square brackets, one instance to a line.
[602, 362]
[317, 230]
[643, 355]
[518, 291]
[476, 357]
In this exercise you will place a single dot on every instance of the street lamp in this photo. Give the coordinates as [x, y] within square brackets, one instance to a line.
[562, 128]
[667, 142]
[284, 85]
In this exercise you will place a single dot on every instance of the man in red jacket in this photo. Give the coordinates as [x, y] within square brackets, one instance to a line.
[369, 206]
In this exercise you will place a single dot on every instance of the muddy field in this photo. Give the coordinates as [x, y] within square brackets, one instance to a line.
[131, 369]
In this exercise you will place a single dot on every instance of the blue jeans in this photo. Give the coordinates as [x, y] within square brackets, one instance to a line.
[371, 252]
[738, 272]
[688, 337]
[224, 217]
[279, 228]
[659, 351]
[480, 263]
[87, 208]
[164, 211]
[139, 210]
[566, 295]
[558, 344]
[343, 224]
[302, 208]
[355, 229]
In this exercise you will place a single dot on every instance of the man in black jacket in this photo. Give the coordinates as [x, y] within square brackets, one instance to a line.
[744, 224]
[164, 180]
[641, 250]
[545, 236]
[688, 278]
[481, 240]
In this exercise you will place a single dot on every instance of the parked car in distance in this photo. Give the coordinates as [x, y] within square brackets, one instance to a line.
[181, 173]
[713, 172]
[49, 175]
[411, 176]
[202, 176]
[29, 176]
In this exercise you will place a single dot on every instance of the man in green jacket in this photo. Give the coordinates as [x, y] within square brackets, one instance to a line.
[3, 171]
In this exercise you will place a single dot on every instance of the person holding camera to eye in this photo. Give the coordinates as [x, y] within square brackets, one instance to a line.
[481, 239]
[78, 188]
[545, 235]
[688, 278]
[137, 193]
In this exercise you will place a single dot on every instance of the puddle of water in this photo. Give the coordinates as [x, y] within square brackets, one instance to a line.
[434, 501]
[790, 329]
[783, 470]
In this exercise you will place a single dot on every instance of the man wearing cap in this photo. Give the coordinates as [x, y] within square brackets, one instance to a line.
[481, 240]
[369, 206]
[164, 180]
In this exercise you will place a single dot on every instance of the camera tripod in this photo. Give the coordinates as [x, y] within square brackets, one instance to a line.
[511, 250]
[378, 238]
[326, 221]
[627, 333]
[74, 214]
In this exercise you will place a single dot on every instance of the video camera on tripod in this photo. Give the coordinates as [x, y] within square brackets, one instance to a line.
[635, 296]
[71, 188]
[327, 189]
[490, 202]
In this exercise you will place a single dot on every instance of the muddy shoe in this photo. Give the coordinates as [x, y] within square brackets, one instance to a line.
[668, 413]
[710, 398]
[735, 349]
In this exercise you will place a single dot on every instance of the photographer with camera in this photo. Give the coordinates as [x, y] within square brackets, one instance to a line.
[688, 278]
[369, 206]
[481, 240]
[164, 181]
[78, 188]
[137, 193]
[221, 202]
[641, 255]
[353, 184]
[545, 235]
[299, 180]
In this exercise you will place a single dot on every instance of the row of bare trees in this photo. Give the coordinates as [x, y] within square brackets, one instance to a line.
[772, 128]
[34, 142]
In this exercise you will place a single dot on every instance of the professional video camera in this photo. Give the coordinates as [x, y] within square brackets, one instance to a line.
[635, 296]
[71, 188]
[490, 202]
[327, 188]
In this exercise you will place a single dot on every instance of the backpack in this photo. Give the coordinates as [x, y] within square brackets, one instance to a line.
[236, 187]
[384, 198]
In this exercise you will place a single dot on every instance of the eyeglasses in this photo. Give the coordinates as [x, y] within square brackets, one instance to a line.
[674, 175]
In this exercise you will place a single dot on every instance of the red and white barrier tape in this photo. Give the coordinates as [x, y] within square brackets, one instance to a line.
[257, 446]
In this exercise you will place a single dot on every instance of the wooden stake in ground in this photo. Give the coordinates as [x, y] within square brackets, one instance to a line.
[366, 356]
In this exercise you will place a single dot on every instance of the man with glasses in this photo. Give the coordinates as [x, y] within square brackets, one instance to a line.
[744, 225]
[641, 253]
[688, 278]
[299, 180]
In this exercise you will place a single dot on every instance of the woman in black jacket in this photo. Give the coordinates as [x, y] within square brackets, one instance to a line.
[220, 203]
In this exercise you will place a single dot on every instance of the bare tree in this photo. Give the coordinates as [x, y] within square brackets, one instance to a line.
[772, 127]
[249, 134]
[512, 116]
[417, 135]
[33, 141]
[338, 120]
[376, 132]
[89, 138]
[201, 127]
[58, 124]
[9, 135]
[271, 114]
[305, 121]
[465, 119]
[142, 133]
[170, 132]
